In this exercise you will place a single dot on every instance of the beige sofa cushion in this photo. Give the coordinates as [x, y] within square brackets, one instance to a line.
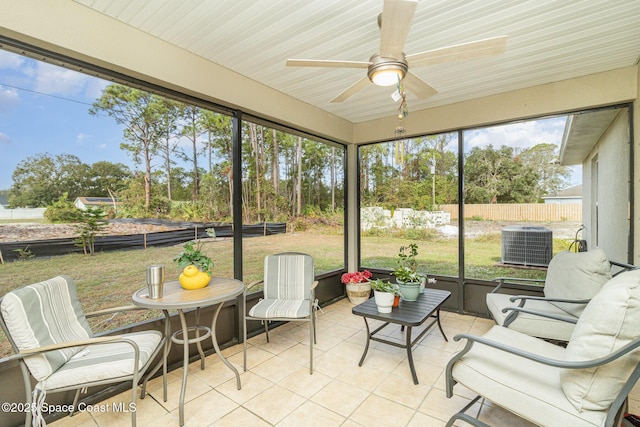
[527, 388]
[536, 326]
[576, 276]
[609, 322]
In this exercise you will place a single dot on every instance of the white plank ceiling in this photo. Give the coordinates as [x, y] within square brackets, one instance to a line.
[548, 40]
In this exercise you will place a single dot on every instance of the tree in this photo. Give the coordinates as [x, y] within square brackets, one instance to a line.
[497, 176]
[41, 179]
[220, 147]
[192, 129]
[105, 177]
[138, 111]
[553, 176]
[166, 128]
[91, 224]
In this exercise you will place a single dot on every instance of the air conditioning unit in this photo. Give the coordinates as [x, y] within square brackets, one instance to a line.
[527, 245]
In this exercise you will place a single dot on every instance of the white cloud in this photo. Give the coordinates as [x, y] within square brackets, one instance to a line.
[518, 135]
[102, 146]
[10, 61]
[51, 79]
[4, 138]
[81, 137]
[95, 87]
[8, 99]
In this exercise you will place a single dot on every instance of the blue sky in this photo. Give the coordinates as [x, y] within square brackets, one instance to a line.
[45, 109]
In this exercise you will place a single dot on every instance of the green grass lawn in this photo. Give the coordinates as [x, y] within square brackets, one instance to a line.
[109, 279]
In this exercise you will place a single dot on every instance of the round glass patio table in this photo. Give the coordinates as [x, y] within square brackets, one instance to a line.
[174, 297]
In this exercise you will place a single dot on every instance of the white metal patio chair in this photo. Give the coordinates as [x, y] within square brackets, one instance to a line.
[572, 280]
[289, 295]
[55, 344]
[585, 384]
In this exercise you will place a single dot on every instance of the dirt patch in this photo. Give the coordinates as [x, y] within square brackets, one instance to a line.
[560, 229]
[20, 232]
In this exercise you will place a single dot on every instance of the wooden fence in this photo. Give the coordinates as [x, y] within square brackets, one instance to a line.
[538, 212]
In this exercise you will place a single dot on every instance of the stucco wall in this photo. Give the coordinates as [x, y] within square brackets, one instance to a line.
[610, 231]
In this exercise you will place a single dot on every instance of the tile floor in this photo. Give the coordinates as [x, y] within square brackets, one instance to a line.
[277, 389]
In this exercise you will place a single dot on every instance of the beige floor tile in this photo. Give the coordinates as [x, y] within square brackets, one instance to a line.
[431, 355]
[427, 373]
[402, 390]
[215, 372]
[437, 405]
[274, 369]
[310, 414]
[300, 355]
[378, 411]
[326, 341]
[496, 416]
[332, 365]
[81, 419]
[274, 404]
[171, 419]
[301, 382]
[349, 350]
[255, 356]
[365, 377]
[422, 420]
[277, 342]
[195, 388]
[383, 360]
[252, 385]
[340, 397]
[117, 410]
[207, 408]
[278, 389]
[240, 417]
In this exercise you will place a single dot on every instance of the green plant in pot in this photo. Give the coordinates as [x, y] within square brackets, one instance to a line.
[197, 267]
[384, 293]
[407, 277]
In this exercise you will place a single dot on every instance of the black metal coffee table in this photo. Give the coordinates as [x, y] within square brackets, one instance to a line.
[408, 314]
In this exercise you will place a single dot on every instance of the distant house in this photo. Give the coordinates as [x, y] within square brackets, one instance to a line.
[568, 195]
[104, 203]
[4, 202]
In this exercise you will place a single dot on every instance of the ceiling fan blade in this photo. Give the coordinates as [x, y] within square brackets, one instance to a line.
[476, 49]
[396, 21]
[326, 63]
[355, 88]
[417, 86]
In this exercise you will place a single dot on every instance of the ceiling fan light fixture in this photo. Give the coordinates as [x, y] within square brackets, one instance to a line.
[386, 71]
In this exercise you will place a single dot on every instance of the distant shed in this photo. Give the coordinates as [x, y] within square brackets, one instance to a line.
[104, 203]
[568, 195]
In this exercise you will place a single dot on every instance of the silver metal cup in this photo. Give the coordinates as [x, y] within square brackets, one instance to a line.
[155, 280]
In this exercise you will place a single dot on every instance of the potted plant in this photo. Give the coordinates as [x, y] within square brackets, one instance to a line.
[357, 286]
[384, 294]
[197, 267]
[408, 279]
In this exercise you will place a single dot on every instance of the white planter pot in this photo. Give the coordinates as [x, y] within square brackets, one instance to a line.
[358, 292]
[384, 301]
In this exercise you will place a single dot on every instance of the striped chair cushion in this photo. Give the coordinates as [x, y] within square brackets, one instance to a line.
[105, 361]
[42, 314]
[286, 308]
[288, 276]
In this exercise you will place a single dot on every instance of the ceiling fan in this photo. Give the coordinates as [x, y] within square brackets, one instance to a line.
[390, 64]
